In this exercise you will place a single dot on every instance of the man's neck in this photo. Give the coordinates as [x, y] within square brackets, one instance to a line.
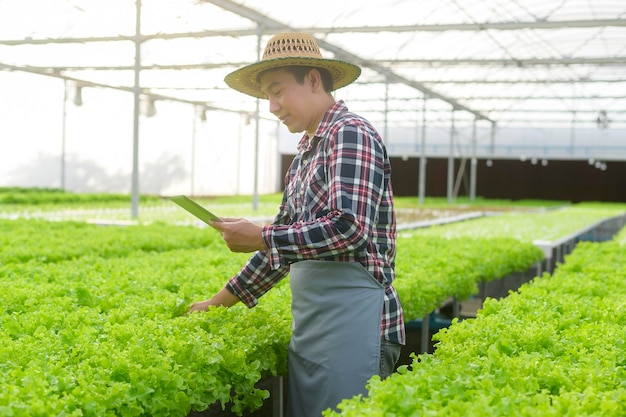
[324, 107]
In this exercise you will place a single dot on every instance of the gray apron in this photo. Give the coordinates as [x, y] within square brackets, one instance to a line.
[335, 346]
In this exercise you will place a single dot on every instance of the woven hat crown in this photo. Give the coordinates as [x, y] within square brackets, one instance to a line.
[290, 45]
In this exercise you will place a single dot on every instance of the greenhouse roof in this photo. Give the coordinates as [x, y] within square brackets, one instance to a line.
[504, 62]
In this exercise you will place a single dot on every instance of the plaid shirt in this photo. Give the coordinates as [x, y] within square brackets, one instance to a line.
[337, 206]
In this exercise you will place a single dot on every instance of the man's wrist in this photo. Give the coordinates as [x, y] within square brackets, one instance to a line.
[266, 236]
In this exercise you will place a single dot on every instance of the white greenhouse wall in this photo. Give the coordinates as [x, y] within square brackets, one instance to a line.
[99, 143]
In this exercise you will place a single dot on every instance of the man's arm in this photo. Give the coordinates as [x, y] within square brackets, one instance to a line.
[256, 277]
[356, 183]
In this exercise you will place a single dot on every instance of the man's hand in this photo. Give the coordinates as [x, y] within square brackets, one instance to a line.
[223, 298]
[199, 306]
[241, 235]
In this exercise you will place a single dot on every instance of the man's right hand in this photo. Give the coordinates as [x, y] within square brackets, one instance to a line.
[223, 298]
[199, 306]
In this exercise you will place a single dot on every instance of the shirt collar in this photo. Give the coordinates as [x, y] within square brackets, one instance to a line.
[330, 116]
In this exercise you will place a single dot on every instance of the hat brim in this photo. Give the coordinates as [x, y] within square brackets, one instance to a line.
[245, 81]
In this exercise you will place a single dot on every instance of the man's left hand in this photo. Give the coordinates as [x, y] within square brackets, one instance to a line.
[241, 235]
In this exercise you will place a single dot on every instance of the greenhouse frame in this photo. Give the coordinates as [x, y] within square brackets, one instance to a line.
[503, 236]
[491, 80]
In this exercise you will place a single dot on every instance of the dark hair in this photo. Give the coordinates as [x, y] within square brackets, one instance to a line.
[299, 72]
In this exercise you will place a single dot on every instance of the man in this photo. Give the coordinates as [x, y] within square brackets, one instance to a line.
[334, 234]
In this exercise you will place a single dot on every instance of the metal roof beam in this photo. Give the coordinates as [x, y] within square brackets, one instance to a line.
[392, 77]
[87, 83]
[521, 62]
[524, 98]
[123, 38]
[493, 97]
[534, 24]
[541, 81]
[271, 29]
[131, 67]
[553, 111]
[267, 23]
[568, 112]
[381, 66]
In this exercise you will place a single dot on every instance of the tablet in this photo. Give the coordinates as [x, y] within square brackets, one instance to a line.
[195, 209]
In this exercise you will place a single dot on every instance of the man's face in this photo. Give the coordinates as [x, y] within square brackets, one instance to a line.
[289, 101]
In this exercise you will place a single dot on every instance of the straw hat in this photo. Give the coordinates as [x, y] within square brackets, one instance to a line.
[288, 49]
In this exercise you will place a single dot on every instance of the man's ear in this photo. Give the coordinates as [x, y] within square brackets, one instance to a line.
[315, 79]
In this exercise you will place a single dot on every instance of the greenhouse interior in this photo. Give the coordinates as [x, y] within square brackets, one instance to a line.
[503, 123]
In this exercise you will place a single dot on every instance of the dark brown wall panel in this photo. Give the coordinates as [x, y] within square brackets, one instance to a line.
[514, 179]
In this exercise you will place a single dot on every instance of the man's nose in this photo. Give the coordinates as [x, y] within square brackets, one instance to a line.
[274, 106]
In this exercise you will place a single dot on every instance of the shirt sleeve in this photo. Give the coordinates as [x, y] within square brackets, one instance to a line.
[355, 161]
[256, 277]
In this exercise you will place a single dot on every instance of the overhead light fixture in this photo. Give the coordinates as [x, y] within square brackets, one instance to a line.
[201, 113]
[148, 107]
[78, 95]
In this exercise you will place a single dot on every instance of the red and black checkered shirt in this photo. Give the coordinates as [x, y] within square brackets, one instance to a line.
[337, 206]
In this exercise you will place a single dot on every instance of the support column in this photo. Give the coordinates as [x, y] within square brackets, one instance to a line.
[279, 177]
[451, 161]
[422, 170]
[136, 93]
[257, 128]
[63, 134]
[277, 397]
[572, 134]
[492, 143]
[425, 342]
[473, 165]
[198, 113]
[386, 115]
